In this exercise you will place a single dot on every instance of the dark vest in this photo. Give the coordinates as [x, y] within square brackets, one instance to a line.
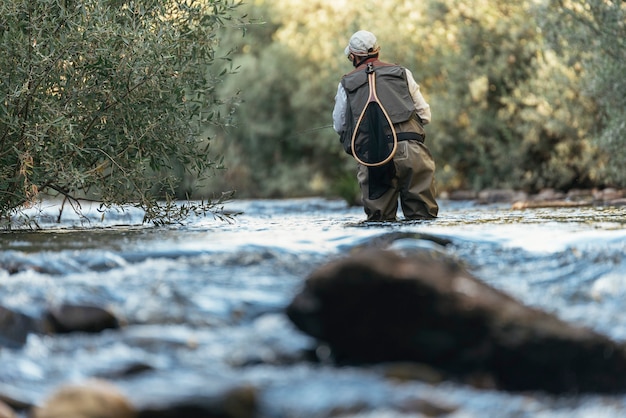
[393, 92]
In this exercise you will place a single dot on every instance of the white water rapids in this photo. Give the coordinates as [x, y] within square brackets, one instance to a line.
[202, 302]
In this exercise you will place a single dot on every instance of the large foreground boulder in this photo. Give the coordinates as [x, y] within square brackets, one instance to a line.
[379, 306]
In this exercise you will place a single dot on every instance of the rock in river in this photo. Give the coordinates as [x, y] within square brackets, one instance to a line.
[381, 306]
[90, 400]
[15, 327]
[78, 318]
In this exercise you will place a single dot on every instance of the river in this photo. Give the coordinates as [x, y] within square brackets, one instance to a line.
[202, 303]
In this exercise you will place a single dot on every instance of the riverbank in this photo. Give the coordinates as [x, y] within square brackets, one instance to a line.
[544, 199]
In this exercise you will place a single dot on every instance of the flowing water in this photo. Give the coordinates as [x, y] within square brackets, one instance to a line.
[202, 303]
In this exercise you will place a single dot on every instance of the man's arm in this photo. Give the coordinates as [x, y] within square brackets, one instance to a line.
[422, 108]
[339, 111]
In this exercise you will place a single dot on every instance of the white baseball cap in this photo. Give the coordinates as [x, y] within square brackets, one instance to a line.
[362, 43]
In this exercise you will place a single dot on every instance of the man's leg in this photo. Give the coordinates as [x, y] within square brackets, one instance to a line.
[417, 178]
[382, 209]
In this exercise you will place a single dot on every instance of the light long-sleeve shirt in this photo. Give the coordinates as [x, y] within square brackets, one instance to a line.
[341, 103]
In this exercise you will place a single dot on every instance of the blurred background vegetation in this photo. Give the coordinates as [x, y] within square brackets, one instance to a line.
[524, 95]
[143, 102]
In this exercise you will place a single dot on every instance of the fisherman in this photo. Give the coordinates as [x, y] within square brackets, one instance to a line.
[409, 173]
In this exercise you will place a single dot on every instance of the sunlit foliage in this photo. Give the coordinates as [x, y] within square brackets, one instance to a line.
[509, 114]
[509, 109]
[592, 33]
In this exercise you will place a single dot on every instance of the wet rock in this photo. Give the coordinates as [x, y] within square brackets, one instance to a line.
[239, 402]
[536, 204]
[380, 306]
[6, 411]
[549, 194]
[15, 327]
[93, 399]
[124, 370]
[387, 239]
[404, 371]
[77, 318]
[15, 399]
[616, 202]
[500, 195]
[551, 198]
[608, 194]
[579, 194]
[426, 408]
[463, 195]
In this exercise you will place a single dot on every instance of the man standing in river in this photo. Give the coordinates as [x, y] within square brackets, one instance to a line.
[410, 173]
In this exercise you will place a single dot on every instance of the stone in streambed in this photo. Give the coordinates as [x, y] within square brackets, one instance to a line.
[6, 411]
[237, 402]
[80, 318]
[92, 399]
[379, 306]
[15, 327]
[97, 398]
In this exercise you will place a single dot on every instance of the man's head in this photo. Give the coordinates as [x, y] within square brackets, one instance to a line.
[362, 45]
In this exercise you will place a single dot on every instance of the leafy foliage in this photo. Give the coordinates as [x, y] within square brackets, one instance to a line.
[104, 98]
[592, 33]
[505, 104]
[509, 108]
[283, 144]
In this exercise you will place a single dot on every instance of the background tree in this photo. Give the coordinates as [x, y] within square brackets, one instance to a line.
[508, 114]
[283, 144]
[591, 35]
[102, 98]
[508, 111]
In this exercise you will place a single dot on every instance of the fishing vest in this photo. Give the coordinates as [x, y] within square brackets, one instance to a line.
[393, 92]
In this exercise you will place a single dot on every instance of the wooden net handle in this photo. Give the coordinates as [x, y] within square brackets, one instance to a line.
[371, 77]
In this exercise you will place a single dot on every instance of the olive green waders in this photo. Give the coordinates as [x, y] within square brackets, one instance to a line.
[415, 165]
